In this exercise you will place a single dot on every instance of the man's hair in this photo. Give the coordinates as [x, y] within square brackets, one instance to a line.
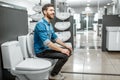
[45, 7]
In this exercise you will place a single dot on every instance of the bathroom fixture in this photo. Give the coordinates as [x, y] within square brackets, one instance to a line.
[23, 68]
[62, 25]
[113, 38]
[64, 36]
[26, 42]
[62, 15]
[67, 43]
[36, 16]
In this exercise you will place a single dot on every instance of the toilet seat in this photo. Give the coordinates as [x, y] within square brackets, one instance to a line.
[33, 64]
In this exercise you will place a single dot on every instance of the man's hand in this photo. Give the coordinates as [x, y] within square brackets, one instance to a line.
[66, 51]
[70, 48]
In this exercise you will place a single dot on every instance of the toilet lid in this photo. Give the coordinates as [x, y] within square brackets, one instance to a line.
[32, 64]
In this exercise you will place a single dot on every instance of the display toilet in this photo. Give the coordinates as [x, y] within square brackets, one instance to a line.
[20, 65]
[26, 43]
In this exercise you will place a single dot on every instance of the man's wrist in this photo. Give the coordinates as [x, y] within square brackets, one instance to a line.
[60, 49]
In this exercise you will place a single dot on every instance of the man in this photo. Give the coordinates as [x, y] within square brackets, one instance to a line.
[44, 47]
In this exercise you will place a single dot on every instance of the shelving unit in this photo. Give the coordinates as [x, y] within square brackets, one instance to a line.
[64, 33]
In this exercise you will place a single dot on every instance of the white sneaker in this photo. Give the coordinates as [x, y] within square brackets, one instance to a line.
[57, 77]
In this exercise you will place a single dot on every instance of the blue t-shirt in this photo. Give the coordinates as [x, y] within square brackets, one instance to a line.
[43, 34]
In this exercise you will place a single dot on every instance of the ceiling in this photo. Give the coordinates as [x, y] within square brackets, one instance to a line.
[84, 3]
[29, 4]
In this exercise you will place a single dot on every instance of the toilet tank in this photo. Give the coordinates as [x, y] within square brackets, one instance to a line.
[11, 54]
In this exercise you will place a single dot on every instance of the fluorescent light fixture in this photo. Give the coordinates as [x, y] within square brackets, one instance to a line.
[88, 4]
[88, 0]
[105, 6]
[88, 9]
[108, 4]
[5, 5]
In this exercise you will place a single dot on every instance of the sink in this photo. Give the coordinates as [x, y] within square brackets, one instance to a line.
[62, 15]
[67, 43]
[36, 17]
[37, 8]
[62, 25]
[64, 36]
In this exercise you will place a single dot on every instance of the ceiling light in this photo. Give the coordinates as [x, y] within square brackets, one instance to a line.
[88, 0]
[6, 5]
[88, 10]
[105, 6]
[88, 4]
[108, 4]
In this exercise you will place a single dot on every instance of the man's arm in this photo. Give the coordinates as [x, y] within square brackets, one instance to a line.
[63, 44]
[57, 48]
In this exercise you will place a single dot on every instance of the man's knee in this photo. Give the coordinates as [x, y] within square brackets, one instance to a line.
[65, 58]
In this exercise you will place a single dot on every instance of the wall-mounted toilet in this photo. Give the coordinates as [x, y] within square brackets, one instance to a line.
[23, 69]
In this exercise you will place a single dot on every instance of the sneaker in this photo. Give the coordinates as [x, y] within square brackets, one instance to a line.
[57, 77]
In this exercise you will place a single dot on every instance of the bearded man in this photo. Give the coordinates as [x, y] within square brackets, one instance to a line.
[44, 47]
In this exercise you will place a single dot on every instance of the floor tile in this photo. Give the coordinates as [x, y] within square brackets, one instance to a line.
[99, 68]
[73, 76]
[88, 60]
[100, 77]
[117, 67]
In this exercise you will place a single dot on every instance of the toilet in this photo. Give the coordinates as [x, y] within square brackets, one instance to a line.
[26, 43]
[21, 65]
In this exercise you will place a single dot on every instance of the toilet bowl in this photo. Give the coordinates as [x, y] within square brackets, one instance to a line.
[26, 43]
[24, 68]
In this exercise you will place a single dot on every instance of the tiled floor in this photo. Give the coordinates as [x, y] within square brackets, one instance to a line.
[88, 62]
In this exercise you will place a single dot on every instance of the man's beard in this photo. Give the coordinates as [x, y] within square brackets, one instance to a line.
[48, 16]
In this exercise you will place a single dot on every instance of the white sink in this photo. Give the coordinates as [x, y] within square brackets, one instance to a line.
[64, 36]
[36, 17]
[67, 43]
[62, 15]
[62, 25]
[37, 8]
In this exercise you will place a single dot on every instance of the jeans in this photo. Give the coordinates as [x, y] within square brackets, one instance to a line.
[62, 58]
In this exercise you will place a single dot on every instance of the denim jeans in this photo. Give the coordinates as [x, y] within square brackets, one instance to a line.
[62, 58]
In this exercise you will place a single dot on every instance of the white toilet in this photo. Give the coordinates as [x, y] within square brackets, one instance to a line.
[20, 65]
[26, 43]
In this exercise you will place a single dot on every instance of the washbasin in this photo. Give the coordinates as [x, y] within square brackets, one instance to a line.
[64, 36]
[36, 17]
[62, 25]
[67, 43]
[62, 15]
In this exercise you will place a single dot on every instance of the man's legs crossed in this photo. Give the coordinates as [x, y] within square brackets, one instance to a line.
[62, 58]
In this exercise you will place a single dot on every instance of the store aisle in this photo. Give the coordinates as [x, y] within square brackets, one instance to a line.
[88, 62]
